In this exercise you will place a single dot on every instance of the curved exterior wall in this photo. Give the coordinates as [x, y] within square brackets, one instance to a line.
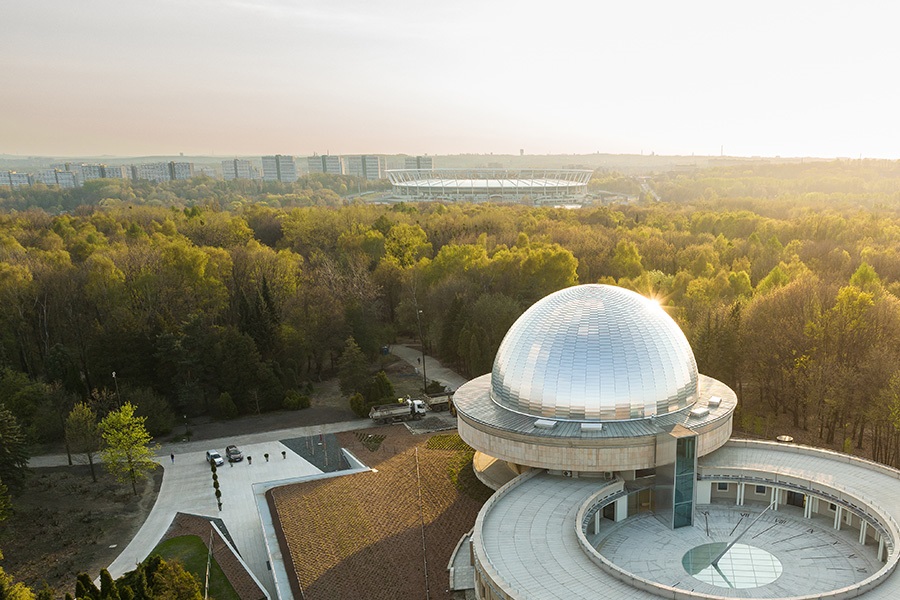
[523, 440]
[550, 560]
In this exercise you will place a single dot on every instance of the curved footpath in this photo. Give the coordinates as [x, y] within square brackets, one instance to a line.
[187, 485]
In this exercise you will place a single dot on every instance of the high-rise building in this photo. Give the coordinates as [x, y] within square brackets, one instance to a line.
[156, 172]
[46, 176]
[238, 169]
[159, 172]
[87, 172]
[280, 167]
[181, 170]
[67, 179]
[18, 179]
[114, 171]
[418, 162]
[325, 163]
[64, 179]
[366, 166]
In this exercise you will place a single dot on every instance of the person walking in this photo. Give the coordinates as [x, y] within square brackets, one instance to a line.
[172, 456]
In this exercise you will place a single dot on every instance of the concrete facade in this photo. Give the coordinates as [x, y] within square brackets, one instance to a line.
[538, 537]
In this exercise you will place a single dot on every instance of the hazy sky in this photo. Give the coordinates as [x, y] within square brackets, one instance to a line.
[124, 77]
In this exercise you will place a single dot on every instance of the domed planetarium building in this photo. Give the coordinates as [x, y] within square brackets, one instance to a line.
[616, 477]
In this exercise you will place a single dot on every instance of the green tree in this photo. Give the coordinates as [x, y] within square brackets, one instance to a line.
[127, 452]
[626, 261]
[172, 582]
[358, 405]
[13, 449]
[108, 590]
[353, 369]
[83, 434]
[85, 588]
[407, 244]
[154, 408]
[225, 406]
[10, 590]
[380, 389]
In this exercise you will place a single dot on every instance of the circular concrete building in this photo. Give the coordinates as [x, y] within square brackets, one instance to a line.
[585, 382]
[616, 478]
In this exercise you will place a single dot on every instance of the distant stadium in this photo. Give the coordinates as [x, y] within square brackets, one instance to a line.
[482, 185]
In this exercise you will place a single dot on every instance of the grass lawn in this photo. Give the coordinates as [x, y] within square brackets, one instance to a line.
[191, 552]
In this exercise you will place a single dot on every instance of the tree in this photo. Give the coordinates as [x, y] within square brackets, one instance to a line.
[13, 450]
[172, 582]
[83, 434]
[380, 389]
[127, 453]
[353, 371]
[359, 406]
[85, 588]
[10, 590]
[108, 590]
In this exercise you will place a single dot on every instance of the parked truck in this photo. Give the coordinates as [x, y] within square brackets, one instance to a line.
[439, 402]
[399, 411]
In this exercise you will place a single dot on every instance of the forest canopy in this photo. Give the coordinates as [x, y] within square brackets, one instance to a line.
[785, 278]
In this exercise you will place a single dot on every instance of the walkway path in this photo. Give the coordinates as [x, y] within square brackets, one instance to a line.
[434, 370]
[187, 482]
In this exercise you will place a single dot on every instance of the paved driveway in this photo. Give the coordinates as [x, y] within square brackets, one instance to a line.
[187, 483]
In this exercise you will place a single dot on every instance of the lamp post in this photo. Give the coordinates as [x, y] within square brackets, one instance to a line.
[116, 382]
[185, 426]
[422, 343]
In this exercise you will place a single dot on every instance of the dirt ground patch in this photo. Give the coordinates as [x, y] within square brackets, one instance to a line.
[327, 405]
[362, 536]
[63, 523]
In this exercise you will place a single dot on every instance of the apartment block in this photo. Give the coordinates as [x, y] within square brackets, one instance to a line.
[418, 162]
[366, 166]
[325, 163]
[181, 170]
[279, 167]
[18, 179]
[239, 169]
[114, 171]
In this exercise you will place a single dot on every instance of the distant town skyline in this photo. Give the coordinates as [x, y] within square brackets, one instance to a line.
[260, 77]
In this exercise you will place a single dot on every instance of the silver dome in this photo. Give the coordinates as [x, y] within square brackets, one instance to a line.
[594, 352]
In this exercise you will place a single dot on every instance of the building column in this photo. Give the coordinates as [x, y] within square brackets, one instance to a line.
[863, 528]
[807, 507]
[739, 497]
[776, 495]
[621, 511]
[880, 547]
[597, 517]
[704, 492]
[838, 513]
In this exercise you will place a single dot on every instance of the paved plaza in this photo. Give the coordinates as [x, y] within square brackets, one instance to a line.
[187, 483]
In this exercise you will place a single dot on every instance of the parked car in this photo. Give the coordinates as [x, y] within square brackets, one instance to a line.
[233, 454]
[213, 457]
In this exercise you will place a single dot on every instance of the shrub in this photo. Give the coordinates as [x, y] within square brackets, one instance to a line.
[380, 390]
[358, 405]
[294, 400]
[435, 387]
